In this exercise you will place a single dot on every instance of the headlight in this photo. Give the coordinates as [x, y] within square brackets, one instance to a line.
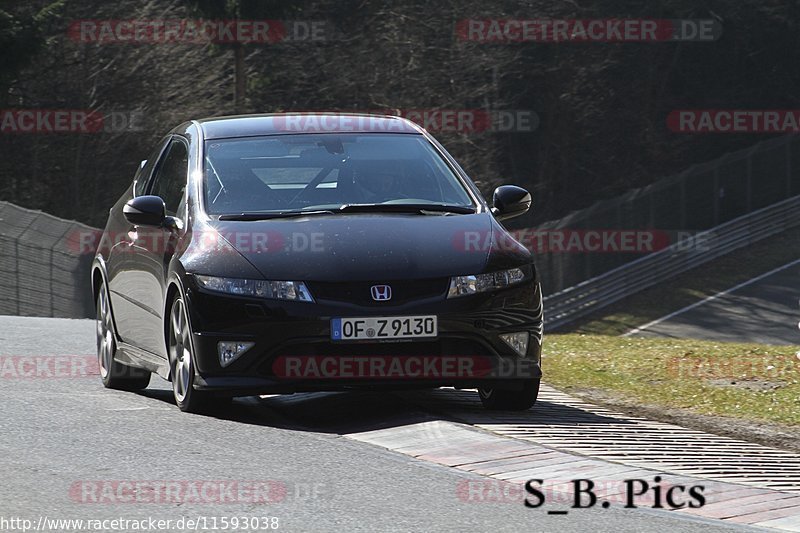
[461, 285]
[278, 290]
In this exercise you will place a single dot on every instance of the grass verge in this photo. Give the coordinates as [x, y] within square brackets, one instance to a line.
[751, 382]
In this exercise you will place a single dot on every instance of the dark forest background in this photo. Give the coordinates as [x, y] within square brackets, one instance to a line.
[602, 106]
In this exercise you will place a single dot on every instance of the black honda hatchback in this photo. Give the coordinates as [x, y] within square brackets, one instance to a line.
[273, 254]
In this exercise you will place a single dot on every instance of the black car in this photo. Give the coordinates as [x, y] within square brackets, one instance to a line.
[283, 253]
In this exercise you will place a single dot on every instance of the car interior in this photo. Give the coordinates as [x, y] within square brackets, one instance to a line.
[285, 174]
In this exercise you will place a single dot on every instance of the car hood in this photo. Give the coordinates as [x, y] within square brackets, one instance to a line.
[351, 247]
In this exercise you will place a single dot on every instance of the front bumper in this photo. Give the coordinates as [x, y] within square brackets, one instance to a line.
[468, 341]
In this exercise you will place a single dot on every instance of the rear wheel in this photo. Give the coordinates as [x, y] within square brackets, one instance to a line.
[181, 359]
[517, 399]
[114, 375]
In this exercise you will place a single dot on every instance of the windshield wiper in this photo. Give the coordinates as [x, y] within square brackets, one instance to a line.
[353, 208]
[405, 208]
[266, 215]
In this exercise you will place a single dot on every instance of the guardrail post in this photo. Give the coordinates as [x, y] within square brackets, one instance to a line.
[16, 273]
[749, 183]
[788, 168]
[716, 196]
[52, 306]
[683, 201]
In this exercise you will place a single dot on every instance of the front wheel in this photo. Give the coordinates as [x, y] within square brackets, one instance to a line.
[518, 399]
[181, 360]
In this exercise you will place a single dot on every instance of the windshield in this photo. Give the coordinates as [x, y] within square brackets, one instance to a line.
[325, 171]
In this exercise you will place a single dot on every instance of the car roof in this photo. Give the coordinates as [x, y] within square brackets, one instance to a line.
[294, 123]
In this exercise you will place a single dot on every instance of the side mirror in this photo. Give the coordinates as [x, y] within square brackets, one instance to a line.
[510, 201]
[145, 211]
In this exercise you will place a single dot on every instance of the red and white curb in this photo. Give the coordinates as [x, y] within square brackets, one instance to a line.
[563, 438]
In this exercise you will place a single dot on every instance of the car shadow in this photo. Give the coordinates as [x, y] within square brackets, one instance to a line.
[350, 412]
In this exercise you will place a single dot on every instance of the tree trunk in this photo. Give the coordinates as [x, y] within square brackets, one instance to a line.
[239, 79]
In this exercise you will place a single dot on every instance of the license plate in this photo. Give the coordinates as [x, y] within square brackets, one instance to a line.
[384, 327]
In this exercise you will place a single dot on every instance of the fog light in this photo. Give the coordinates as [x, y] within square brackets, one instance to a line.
[229, 351]
[518, 341]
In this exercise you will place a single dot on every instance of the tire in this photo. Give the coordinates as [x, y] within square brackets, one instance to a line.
[181, 361]
[114, 375]
[510, 400]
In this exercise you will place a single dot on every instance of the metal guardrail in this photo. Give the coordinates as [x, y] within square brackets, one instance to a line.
[700, 198]
[588, 296]
[43, 271]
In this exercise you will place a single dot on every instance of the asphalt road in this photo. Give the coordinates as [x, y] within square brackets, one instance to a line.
[70, 449]
[765, 312]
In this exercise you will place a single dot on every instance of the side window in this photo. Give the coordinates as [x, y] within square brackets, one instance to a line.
[141, 180]
[170, 179]
[144, 173]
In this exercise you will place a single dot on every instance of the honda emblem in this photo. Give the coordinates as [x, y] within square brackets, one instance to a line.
[381, 293]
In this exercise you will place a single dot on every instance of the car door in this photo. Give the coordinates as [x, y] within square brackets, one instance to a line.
[123, 278]
[153, 247]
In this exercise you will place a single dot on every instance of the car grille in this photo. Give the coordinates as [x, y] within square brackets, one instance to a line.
[359, 292]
